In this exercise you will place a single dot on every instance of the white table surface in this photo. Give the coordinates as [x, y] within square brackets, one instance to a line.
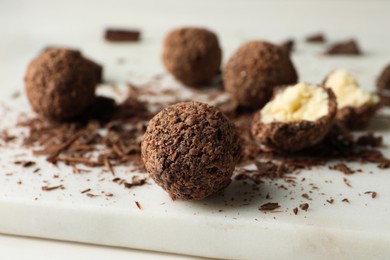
[28, 26]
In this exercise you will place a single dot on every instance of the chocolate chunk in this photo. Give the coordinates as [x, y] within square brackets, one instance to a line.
[269, 206]
[122, 35]
[348, 47]
[316, 38]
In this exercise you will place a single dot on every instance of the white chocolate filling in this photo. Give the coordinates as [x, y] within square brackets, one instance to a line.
[295, 103]
[348, 91]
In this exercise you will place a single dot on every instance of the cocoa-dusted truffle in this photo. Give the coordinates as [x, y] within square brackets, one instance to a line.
[383, 85]
[60, 83]
[190, 149]
[254, 70]
[355, 106]
[297, 117]
[192, 55]
[383, 81]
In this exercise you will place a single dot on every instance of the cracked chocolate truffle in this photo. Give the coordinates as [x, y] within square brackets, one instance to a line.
[190, 149]
[296, 118]
[254, 70]
[355, 106]
[60, 83]
[192, 55]
[383, 85]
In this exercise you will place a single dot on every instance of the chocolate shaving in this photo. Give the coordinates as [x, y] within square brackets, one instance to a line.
[269, 206]
[138, 205]
[86, 190]
[373, 194]
[25, 164]
[47, 188]
[345, 200]
[107, 164]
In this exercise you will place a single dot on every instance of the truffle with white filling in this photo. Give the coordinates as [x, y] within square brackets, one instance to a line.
[297, 117]
[355, 106]
[190, 149]
[254, 70]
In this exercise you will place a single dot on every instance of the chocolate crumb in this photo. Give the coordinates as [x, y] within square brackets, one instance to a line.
[348, 47]
[373, 194]
[370, 140]
[122, 35]
[346, 181]
[304, 206]
[138, 205]
[295, 210]
[135, 182]
[25, 164]
[342, 167]
[269, 206]
[92, 195]
[306, 196]
[330, 200]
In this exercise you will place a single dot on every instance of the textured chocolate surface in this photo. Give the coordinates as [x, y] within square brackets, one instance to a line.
[383, 81]
[357, 117]
[192, 55]
[60, 83]
[294, 136]
[254, 70]
[190, 149]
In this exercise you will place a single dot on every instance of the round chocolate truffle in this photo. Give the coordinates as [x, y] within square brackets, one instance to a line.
[60, 83]
[192, 55]
[254, 70]
[190, 149]
[383, 81]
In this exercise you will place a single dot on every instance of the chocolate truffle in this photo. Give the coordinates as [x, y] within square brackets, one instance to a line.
[383, 85]
[355, 106]
[192, 55]
[190, 149]
[60, 83]
[254, 70]
[296, 118]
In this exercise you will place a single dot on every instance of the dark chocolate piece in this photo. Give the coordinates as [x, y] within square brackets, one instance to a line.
[348, 47]
[316, 38]
[122, 35]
